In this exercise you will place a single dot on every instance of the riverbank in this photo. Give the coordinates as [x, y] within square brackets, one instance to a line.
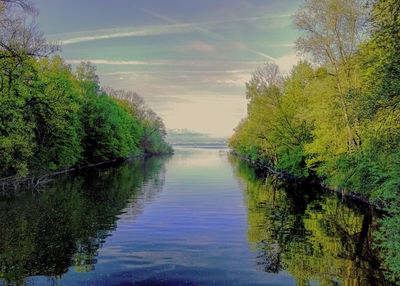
[35, 181]
[141, 222]
[312, 179]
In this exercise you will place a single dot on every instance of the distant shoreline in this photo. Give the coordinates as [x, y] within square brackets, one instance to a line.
[201, 145]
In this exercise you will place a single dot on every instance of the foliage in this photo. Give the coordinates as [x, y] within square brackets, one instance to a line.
[54, 112]
[274, 130]
[51, 118]
[339, 119]
[152, 130]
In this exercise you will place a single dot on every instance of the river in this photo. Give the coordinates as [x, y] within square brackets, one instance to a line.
[199, 217]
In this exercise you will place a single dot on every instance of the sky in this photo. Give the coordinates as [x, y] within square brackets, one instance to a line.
[189, 59]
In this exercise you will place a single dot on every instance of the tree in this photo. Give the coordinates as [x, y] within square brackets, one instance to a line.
[24, 4]
[253, 135]
[19, 36]
[135, 102]
[88, 79]
[20, 42]
[108, 130]
[50, 118]
[332, 31]
[380, 165]
[263, 77]
[276, 129]
[54, 109]
[380, 61]
[153, 130]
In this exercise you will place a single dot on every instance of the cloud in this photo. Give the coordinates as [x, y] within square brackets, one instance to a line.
[226, 78]
[206, 31]
[173, 27]
[198, 47]
[243, 47]
[238, 45]
[287, 62]
[260, 54]
[171, 82]
[186, 72]
[111, 62]
[138, 63]
[124, 32]
[174, 63]
[174, 81]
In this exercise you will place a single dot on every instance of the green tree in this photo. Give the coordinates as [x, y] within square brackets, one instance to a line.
[380, 161]
[58, 131]
[253, 135]
[276, 129]
[332, 31]
[20, 41]
[107, 130]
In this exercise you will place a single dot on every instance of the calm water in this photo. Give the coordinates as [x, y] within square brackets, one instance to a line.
[199, 217]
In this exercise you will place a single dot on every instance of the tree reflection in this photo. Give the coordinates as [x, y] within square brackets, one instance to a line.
[314, 236]
[64, 226]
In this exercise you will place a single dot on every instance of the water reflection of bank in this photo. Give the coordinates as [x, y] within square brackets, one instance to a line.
[313, 236]
[65, 225]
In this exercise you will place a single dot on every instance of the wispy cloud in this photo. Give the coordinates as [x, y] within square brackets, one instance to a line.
[211, 34]
[172, 82]
[186, 71]
[176, 63]
[198, 47]
[123, 32]
[242, 46]
[181, 60]
[268, 57]
[173, 27]
[268, 16]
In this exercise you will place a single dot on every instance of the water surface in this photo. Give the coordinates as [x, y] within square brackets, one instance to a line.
[199, 217]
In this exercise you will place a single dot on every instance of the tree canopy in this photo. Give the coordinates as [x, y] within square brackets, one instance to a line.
[52, 118]
[336, 116]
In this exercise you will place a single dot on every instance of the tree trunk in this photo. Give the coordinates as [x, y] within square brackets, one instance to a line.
[342, 101]
[346, 116]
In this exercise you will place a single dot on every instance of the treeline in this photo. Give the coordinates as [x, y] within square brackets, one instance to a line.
[336, 116]
[52, 118]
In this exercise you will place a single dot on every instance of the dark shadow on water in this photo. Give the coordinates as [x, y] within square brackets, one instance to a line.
[65, 225]
[314, 236]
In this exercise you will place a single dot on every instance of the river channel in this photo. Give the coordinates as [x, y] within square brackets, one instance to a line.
[199, 217]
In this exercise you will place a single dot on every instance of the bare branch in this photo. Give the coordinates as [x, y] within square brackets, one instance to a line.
[19, 35]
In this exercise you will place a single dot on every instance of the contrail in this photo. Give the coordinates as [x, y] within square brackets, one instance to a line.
[176, 63]
[174, 27]
[208, 33]
[128, 32]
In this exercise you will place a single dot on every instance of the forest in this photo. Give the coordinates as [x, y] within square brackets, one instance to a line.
[53, 118]
[336, 116]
